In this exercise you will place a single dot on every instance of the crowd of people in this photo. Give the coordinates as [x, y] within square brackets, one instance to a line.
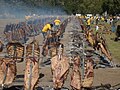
[101, 20]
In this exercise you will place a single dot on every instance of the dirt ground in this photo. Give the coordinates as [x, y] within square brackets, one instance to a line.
[101, 76]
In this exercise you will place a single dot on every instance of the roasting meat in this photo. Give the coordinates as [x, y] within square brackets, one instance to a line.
[32, 66]
[89, 73]
[7, 71]
[60, 67]
[76, 75]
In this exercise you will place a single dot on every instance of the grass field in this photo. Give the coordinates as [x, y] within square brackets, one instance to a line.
[114, 47]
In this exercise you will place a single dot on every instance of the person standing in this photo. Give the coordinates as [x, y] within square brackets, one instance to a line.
[45, 29]
[113, 25]
[57, 23]
[88, 23]
[96, 28]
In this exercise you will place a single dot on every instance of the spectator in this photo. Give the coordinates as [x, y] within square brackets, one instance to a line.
[96, 28]
[113, 25]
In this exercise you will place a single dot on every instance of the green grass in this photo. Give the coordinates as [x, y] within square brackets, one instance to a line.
[114, 47]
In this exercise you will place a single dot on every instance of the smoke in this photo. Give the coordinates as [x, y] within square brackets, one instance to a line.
[18, 9]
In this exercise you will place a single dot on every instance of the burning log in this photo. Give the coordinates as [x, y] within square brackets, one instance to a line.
[60, 67]
[76, 75]
[32, 66]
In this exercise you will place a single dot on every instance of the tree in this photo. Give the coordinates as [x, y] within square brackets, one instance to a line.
[78, 6]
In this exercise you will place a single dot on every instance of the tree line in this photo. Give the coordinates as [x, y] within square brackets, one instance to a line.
[92, 6]
[80, 6]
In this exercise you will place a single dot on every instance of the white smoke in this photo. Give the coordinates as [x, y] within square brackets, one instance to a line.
[18, 9]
